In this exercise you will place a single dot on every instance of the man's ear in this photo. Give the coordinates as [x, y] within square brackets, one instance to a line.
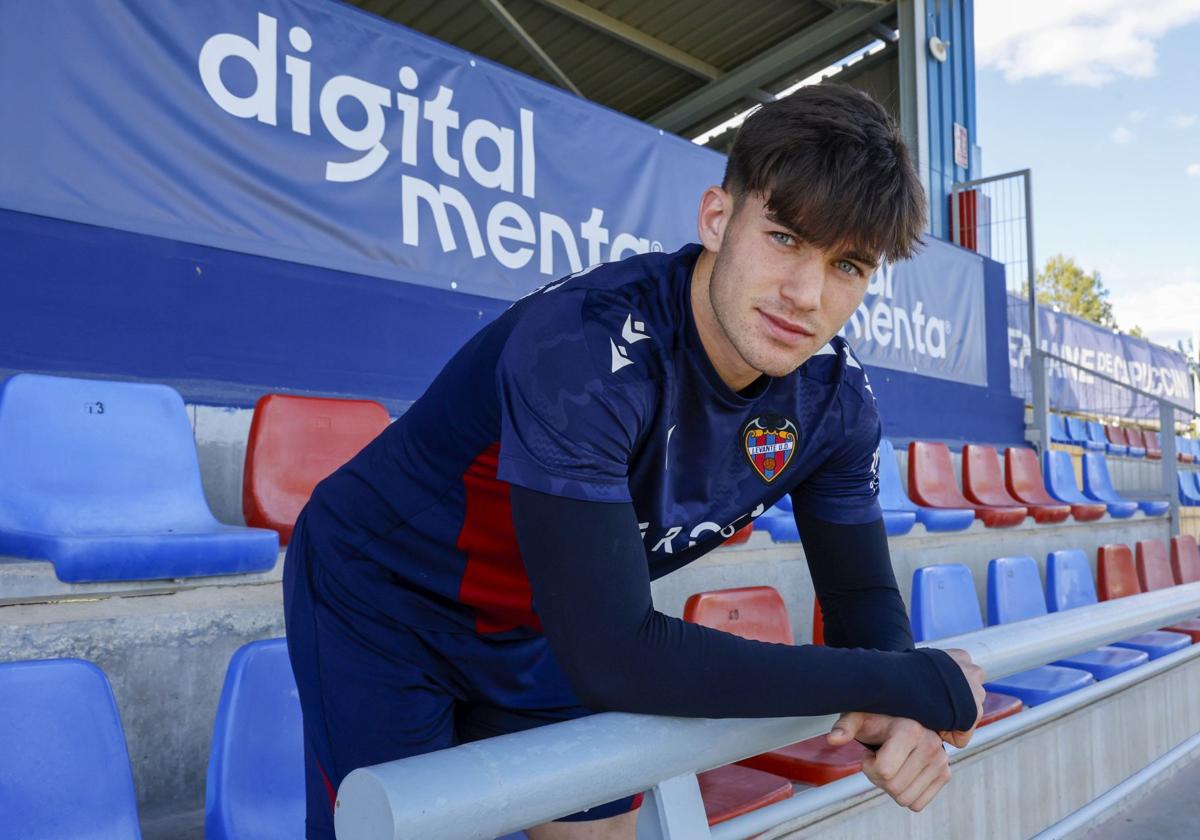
[716, 210]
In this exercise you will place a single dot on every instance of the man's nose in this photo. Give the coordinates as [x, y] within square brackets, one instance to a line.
[803, 288]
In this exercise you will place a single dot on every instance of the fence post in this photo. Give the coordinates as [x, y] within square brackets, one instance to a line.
[1037, 364]
[1170, 465]
[673, 810]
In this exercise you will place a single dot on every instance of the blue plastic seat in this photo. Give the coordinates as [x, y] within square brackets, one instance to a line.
[944, 604]
[1077, 431]
[779, 522]
[892, 498]
[255, 786]
[1098, 485]
[1096, 433]
[1059, 475]
[1058, 429]
[1015, 594]
[64, 766]
[102, 479]
[1189, 494]
[1069, 584]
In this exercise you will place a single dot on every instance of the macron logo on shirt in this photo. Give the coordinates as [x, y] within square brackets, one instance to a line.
[632, 333]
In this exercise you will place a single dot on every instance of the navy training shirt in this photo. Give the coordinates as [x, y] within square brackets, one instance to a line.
[593, 388]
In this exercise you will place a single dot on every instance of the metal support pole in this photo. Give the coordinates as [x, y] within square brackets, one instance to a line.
[1037, 364]
[673, 810]
[1170, 462]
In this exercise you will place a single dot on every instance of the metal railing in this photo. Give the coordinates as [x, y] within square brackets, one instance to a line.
[486, 789]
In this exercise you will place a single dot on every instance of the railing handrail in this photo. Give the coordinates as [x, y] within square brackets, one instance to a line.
[489, 788]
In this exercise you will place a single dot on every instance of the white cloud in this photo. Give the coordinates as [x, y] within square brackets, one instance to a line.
[1193, 169]
[1136, 116]
[1121, 135]
[1165, 312]
[1083, 42]
[1183, 120]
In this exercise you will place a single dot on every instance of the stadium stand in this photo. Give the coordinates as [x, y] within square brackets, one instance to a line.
[1014, 593]
[255, 783]
[983, 483]
[79, 485]
[931, 482]
[1189, 494]
[893, 498]
[1077, 430]
[295, 442]
[1097, 484]
[1185, 559]
[944, 604]
[1023, 480]
[1058, 430]
[1145, 440]
[64, 766]
[1116, 577]
[1182, 453]
[1154, 572]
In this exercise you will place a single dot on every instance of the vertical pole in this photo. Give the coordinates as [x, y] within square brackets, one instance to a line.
[1170, 465]
[673, 810]
[914, 94]
[1037, 364]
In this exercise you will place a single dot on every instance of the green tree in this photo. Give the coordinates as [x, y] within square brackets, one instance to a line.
[1064, 284]
[1136, 331]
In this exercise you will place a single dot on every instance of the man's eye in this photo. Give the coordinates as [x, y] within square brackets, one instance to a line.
[849, 268]
[783, 238]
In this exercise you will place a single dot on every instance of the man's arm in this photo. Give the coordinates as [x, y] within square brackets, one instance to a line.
[591, 587]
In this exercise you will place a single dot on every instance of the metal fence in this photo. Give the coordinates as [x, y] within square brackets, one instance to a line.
[486, 789]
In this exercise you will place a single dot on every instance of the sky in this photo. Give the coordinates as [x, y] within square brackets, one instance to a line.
[1101, 100]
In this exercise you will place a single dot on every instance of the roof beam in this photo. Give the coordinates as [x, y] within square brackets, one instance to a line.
[531, 46]
[827, 34]
[884, 33]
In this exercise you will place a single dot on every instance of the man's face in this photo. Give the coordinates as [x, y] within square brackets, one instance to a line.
[777, 299]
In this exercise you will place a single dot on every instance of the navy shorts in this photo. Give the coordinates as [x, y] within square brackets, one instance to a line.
[375, 689]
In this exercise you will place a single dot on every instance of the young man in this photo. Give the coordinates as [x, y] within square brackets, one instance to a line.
[484, 565]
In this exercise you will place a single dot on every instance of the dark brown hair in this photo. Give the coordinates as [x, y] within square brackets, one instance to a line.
[832, 166]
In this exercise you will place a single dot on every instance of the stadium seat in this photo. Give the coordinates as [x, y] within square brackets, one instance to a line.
[1015, 594]
[931, 483]
[733, 790]
[81, 486]
[1023, 479]
[1098, 485]
[64, 766]
[892, 497]
[758, 612]
[1145, 440]
[1116, 434]
[1077, 430]
[753, 612]
[944, 604]
[1189, 496]
[1116, 577]
[983, 483]
[294, 443]
[1096, 432]
[779, 523]
[1185, 559]
[255, 785]
[1154, 572]
[1058, 429]
[741, 535]
[1182, 452]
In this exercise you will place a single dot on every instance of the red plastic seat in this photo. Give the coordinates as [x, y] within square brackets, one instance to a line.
[1146, 440]
[1154, 572]
[733, 790]
[1116, 576]
[983, 483]
[1023, 480]
[294, 443]
[1117, 435]
[740, 535]
[1185, 559]
[931, 483]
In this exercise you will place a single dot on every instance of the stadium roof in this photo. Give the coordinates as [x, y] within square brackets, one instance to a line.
[683, 65]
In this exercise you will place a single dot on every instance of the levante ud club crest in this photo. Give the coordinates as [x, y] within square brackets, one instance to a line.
[770, 442]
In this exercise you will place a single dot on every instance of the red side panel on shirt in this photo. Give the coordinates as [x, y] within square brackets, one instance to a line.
[494, 582]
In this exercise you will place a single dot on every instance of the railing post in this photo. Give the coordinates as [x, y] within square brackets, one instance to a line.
[1170, 465]
[1037, 364]
[673, 810]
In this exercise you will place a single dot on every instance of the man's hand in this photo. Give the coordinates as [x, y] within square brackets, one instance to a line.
[974, 675]
[910, 765]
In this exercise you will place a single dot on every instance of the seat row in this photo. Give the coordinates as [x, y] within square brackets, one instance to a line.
[1119, 440]
[103, 478]
[66, 764]
[998, 496]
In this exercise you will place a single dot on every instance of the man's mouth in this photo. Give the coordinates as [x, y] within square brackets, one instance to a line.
[788, 332]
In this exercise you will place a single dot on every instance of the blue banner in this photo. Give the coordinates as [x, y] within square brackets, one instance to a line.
[314, 132]
[925, 316]
[1090, 348]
